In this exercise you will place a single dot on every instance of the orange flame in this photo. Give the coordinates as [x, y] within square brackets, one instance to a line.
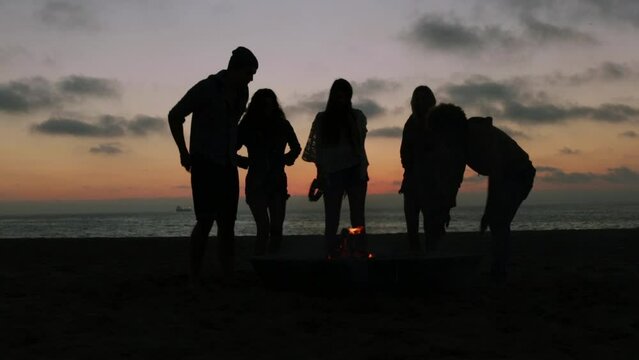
[356, 230]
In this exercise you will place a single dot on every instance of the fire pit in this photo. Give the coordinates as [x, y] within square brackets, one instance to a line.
[355, 266]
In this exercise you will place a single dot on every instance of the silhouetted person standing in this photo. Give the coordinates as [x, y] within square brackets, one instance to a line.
[216, 104]
[416, 155]
[490, 152]
[336, 146]
[265, 132]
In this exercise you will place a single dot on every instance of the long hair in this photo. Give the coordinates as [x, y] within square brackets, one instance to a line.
[427, 95]
[255, 117]
[338, 115]
[422, 97]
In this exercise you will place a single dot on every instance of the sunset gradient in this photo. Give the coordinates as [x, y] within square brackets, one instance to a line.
[85, 86]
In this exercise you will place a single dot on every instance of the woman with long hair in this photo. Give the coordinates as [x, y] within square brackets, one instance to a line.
[336, 146]
[265, 132]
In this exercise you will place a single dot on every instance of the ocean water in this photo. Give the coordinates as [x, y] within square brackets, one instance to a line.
[311, 222]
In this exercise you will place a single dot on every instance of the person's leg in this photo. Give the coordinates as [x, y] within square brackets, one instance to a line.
[357, 203]
[411, 213]
[501, 251]
[199, 239]
[504, 199]
[260, 214]
[229, 196]
[332, 208]
[434, 228]
[277, 210]
[202, 174]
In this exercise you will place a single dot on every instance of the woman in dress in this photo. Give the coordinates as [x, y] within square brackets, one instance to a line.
[266, 132]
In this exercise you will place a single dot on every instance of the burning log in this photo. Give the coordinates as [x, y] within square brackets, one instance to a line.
[352, 243]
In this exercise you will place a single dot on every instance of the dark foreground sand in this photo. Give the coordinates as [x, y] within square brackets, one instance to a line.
[572, 295]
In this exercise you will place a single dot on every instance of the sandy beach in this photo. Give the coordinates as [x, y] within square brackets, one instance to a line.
[571, 295]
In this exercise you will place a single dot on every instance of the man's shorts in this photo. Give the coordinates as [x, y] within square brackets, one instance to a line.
[215, 190]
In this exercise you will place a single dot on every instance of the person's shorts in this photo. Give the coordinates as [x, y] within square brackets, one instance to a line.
[215, 190]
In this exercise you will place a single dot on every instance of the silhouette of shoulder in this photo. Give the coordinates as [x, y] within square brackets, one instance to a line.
[197, 97]
[490, 149]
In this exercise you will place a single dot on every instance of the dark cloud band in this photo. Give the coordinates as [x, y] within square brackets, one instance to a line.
[620, 175]
[106, 126]
[513, 100]
[449, 34]
[38, 93]
[386, 132]
[107, 149]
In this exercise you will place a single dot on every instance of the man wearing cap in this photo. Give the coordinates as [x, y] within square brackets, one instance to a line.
[216, 104]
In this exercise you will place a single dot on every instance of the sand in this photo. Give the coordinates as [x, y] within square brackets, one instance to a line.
[571, 295]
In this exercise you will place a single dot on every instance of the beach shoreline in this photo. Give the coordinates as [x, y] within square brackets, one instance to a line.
[571, 294]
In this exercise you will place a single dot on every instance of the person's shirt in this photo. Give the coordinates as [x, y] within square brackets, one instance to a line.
[215, 114]
[410, 140]
[436, 172]
[266, 147]
[346, 153]
[490, 151]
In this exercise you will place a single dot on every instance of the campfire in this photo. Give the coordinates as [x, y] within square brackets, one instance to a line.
[352, 244]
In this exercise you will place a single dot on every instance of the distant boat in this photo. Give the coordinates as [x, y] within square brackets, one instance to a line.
[183, 209]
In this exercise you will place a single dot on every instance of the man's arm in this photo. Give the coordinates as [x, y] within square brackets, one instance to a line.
[177, 130]
[177, 116]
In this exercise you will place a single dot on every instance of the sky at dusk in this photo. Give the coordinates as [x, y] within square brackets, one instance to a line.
[85, 86]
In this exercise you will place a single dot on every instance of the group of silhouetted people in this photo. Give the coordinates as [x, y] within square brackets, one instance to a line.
[438, 142]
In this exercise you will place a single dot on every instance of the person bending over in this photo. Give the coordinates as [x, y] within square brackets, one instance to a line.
[490, 152]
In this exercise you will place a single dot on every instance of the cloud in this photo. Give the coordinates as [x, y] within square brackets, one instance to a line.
[481, 89]
[370, 108]
[549, 113]
[107, 149]
[516, 134]
[386, 132]
[475, 178]
[142, 125]
[38, 93]
[629, 134]
[67, 15]
[374, 86]
[88, 86]
[450, 34]
[544, 33]
[620, 175]
[106, 126]
[609, 12]
[624, 10]
[25, 95]
[435, 32]
[310, 104]
[512, 100]
[542, 169]
[568, 151]
[605, 72]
